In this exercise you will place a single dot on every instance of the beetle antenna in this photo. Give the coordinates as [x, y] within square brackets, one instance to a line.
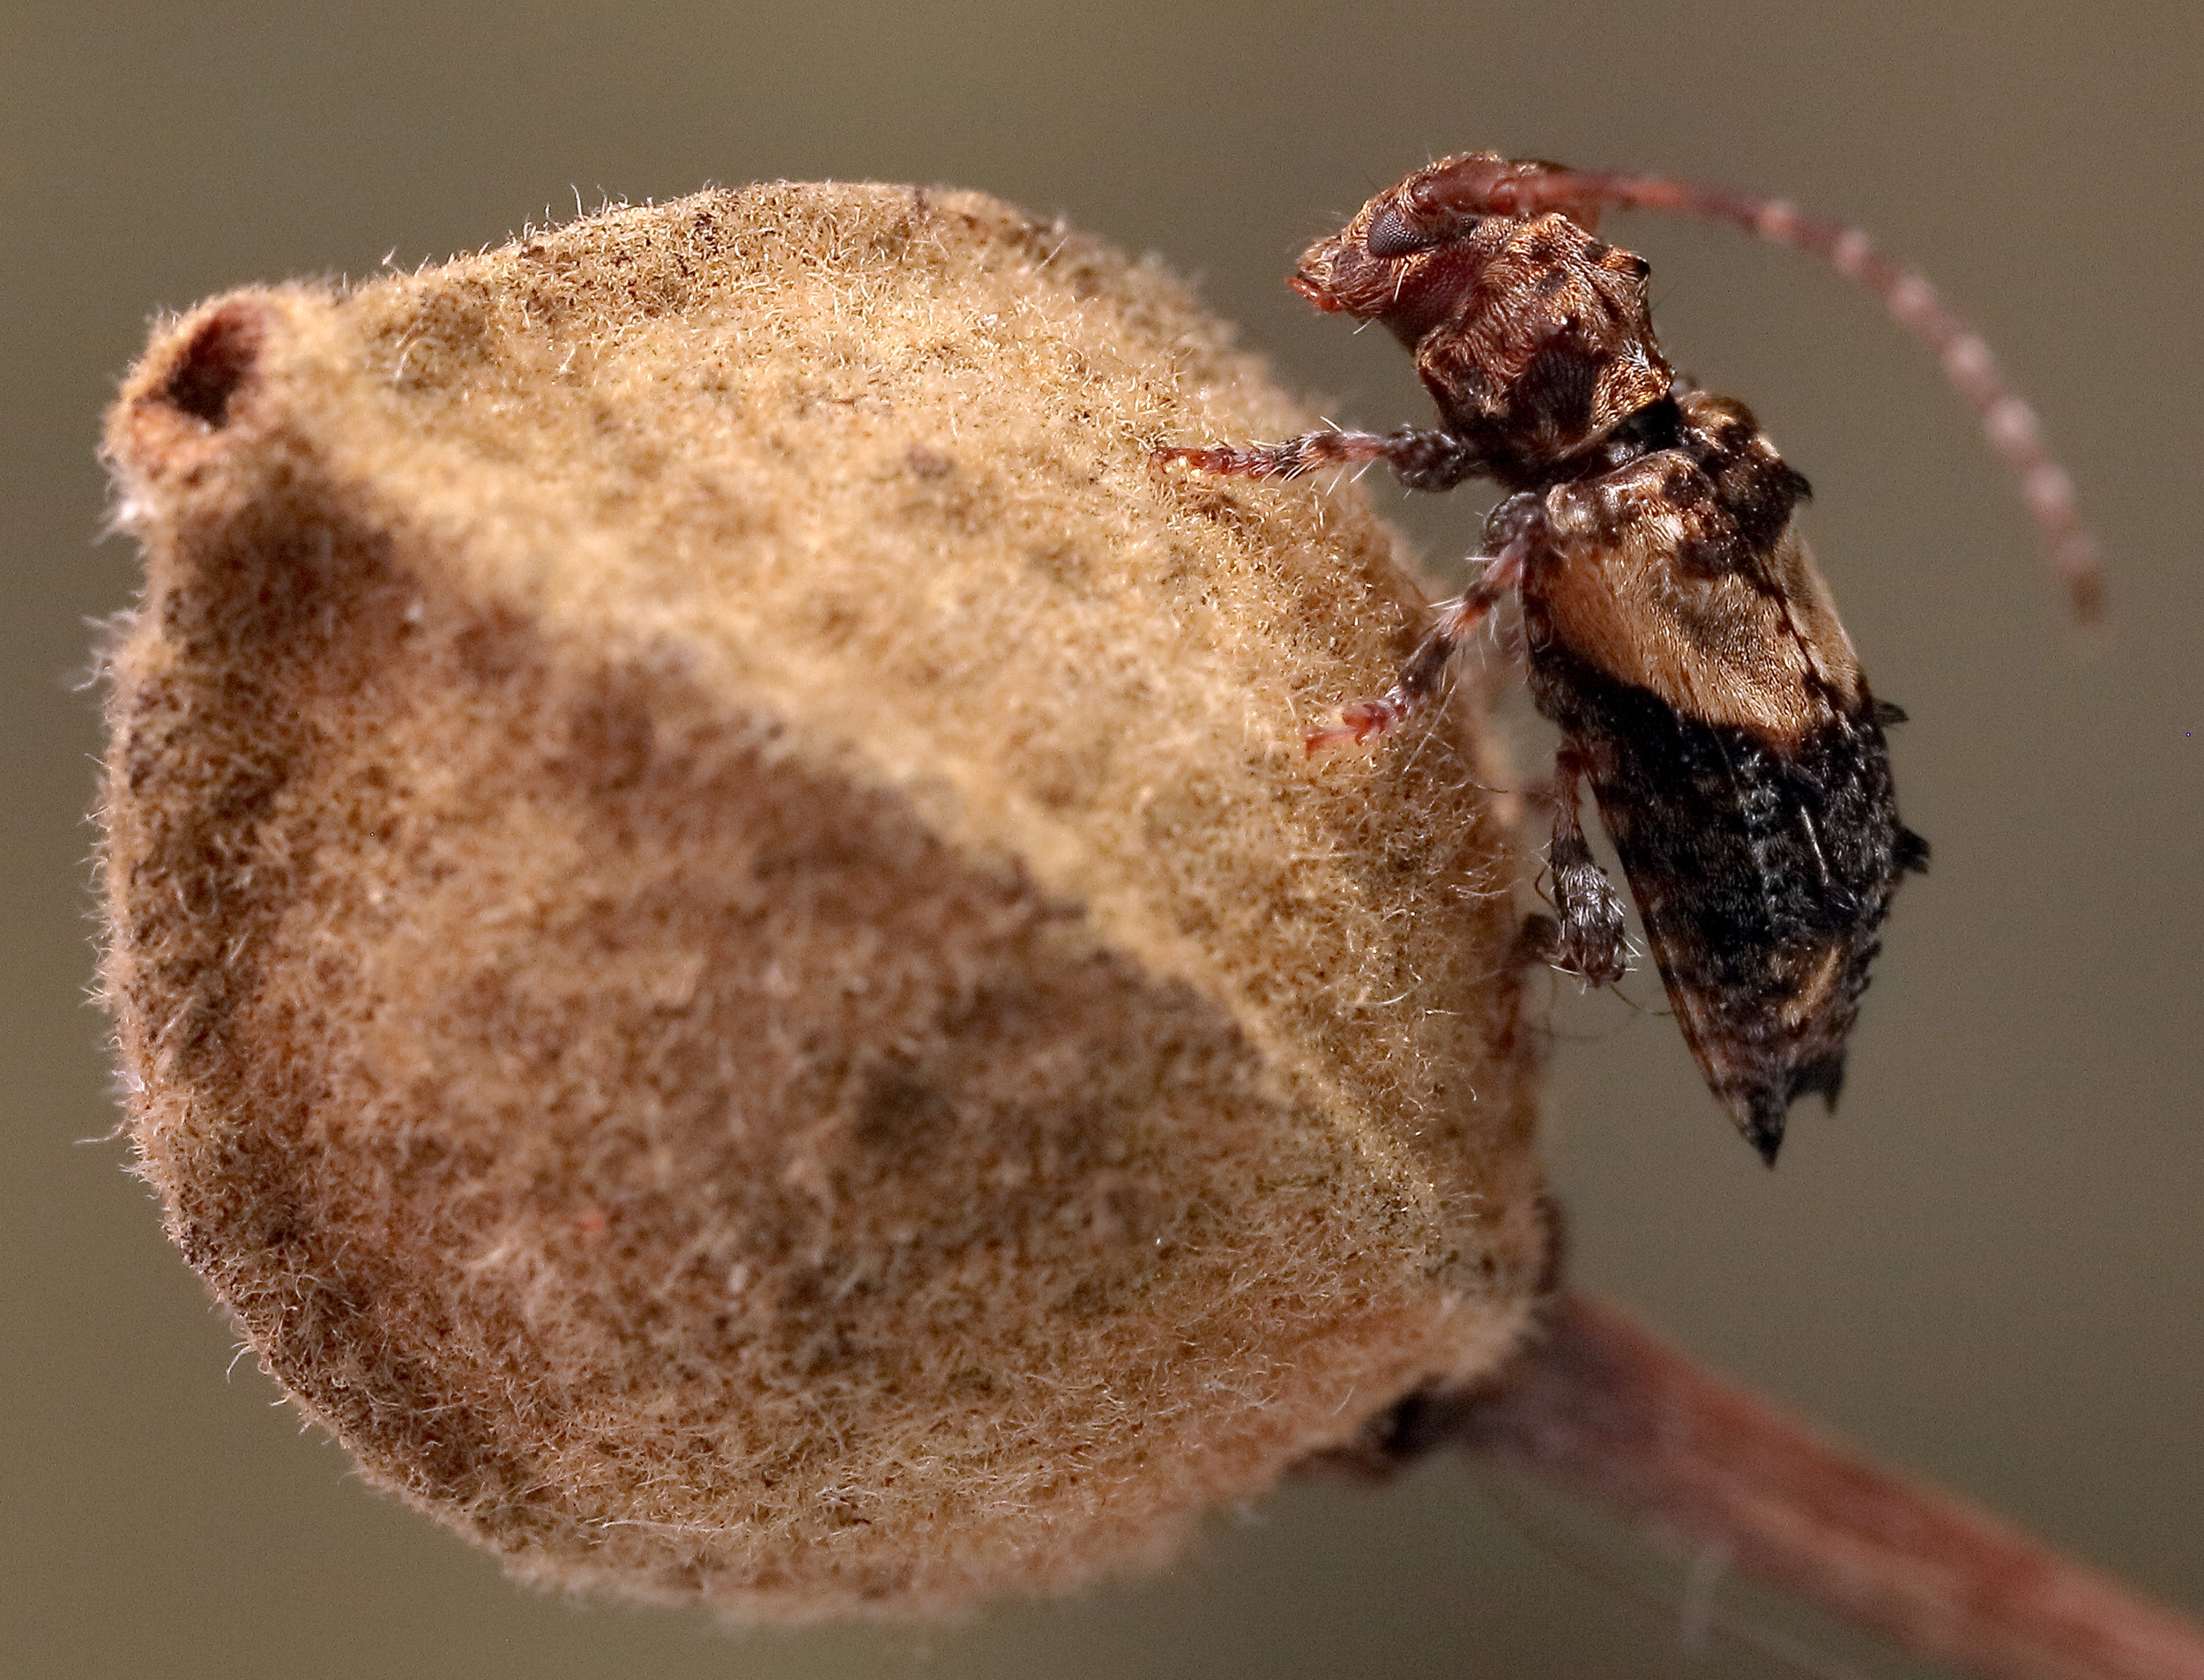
[2006, 416]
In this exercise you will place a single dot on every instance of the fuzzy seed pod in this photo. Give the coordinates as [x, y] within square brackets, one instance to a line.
[723, 944]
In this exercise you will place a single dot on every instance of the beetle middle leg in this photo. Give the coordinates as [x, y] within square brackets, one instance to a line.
[1364, 720]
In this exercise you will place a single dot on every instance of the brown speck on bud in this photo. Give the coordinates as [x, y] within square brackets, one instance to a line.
[726, 953]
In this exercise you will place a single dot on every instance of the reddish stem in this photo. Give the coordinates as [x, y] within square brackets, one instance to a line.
[1600, 1407]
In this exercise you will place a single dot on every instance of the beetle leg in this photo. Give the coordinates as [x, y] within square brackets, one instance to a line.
[1584, 936]
[1424, 460]
[1364, 720]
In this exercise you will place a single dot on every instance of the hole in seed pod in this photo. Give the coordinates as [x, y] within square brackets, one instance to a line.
[215, 364]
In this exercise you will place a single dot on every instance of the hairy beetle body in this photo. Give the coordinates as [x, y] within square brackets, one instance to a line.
[1676, 627]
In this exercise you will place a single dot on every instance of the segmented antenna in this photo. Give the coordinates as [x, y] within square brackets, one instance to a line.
[2006, 416]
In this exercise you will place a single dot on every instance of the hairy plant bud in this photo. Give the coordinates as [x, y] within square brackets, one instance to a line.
[723, 944]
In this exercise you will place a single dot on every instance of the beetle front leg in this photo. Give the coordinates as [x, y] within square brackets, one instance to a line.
[1424, 460]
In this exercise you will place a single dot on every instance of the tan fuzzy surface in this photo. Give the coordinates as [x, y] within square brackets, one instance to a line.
[725, 949]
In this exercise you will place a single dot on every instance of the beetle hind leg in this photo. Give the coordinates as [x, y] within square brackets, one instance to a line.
[1585, 935]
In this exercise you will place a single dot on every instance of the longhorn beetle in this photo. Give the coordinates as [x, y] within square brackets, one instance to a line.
[1677, 630]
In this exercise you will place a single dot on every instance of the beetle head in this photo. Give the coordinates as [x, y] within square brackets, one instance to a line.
[1531, 334]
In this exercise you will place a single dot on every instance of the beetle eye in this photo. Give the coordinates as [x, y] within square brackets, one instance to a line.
[1391, 235]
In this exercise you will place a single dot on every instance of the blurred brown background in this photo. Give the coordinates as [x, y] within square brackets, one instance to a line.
[1989, 1266]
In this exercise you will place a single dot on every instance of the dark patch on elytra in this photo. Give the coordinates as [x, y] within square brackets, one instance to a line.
[1753, 864]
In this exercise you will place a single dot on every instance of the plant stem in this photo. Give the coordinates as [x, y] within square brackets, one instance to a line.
[1602, 1407]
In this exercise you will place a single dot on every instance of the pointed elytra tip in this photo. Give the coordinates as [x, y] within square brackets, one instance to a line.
[1767, 1137]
